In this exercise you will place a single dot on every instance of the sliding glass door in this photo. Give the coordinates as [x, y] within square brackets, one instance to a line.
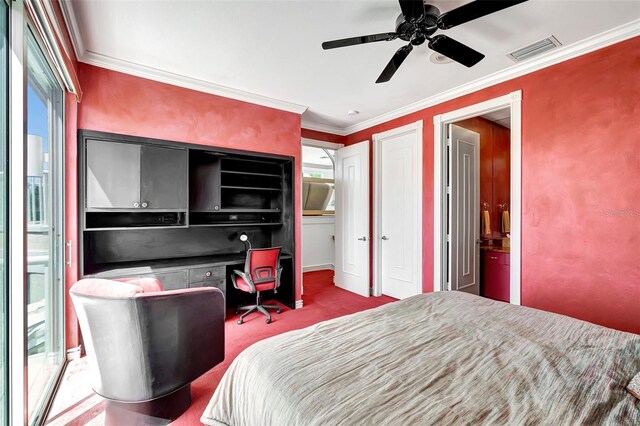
[44, 215]
[4, 253]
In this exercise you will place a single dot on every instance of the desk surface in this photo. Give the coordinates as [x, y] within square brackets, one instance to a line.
[150, 266]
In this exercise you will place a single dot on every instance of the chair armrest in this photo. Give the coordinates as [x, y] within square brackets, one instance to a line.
[246, 279]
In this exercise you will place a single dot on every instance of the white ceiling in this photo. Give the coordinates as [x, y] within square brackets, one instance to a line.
[501, 117]
[272, 48]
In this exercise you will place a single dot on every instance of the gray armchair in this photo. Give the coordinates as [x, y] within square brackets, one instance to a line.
[146, 345]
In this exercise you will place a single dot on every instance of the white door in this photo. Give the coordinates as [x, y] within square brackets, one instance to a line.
[352, 218]
[399, 208]
[464, 214]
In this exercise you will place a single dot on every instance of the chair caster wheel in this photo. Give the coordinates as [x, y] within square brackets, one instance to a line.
[239, 322]
[278, 310]
[268, 320]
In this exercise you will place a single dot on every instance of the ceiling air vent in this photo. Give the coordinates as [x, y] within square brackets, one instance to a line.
[534, 49]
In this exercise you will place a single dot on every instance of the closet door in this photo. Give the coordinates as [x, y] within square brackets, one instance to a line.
[113, 175]
[464, 248]
[163, 178]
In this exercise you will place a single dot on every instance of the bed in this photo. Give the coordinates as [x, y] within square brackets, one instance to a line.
[438, 358]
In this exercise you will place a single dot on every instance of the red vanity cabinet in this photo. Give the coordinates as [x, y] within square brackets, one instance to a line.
[495, 275]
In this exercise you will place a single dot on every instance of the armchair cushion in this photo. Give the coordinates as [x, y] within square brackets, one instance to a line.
[146, 283]
[97, 287]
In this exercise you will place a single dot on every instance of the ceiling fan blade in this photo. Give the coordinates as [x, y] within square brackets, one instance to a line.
[474, 10]
[411, 9]
[395, 62]
[352, 41]
[455, 50]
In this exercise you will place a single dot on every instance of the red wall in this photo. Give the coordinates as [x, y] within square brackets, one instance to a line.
[71, 213]
[580, 184]
[121, 103]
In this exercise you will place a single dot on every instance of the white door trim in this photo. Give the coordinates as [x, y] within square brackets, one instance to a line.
[377, 205]
[513, 101]
[321, 144]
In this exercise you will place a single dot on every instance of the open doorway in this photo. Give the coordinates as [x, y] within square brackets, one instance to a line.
[318, 205]
[477, 199]
[480, 164]
[335, 202]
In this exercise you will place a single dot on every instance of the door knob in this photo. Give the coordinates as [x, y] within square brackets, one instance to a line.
[362, 239]
[136, 205]
[144, 205]
[384, 237]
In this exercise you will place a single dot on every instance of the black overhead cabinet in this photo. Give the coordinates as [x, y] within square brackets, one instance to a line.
[175, 210]
[133, 177]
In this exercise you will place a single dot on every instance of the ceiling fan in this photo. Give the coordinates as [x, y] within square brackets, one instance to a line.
[416, 24]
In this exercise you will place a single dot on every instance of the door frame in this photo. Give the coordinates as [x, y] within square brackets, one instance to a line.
[317, 144]
[513, 101]
[377, 201]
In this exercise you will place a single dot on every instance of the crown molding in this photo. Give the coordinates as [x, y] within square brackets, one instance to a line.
[590, 44]
[598, 41]
[155, 74]
[326, 128]
[92, 58]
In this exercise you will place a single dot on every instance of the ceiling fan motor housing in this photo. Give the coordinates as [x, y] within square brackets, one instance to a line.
[417, 31]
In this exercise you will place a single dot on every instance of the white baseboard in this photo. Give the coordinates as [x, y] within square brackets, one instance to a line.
[298, 304]
[318, 267]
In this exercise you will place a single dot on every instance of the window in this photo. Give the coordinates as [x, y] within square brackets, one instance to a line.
[318, 180]
[45, 246]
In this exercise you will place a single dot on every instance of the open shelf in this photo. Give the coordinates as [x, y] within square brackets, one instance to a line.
[234, 172]
[250, 188]
[128, 220]
[250, 165]
[201, 225]
[226, 218]
[239, 210]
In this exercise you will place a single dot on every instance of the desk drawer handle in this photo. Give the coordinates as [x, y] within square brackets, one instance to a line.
[493, 257]
[207, 274]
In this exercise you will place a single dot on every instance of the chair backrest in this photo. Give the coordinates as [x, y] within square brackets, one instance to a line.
[263, 265]
[145, 343]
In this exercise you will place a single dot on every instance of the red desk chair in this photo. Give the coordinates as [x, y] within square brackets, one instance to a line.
[261, 273]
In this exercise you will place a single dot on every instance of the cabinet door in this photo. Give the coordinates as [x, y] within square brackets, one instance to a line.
[113, 174]
[495, 276]
[163, 178]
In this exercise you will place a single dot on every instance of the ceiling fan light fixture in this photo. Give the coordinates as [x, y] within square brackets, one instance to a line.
[439, 59]
[417, 23]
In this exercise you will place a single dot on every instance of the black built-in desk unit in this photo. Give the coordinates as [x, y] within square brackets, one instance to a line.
[174, 211]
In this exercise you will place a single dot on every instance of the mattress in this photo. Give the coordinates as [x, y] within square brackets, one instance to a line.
[438, 358]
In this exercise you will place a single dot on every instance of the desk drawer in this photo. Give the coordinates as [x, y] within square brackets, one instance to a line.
[206, 274]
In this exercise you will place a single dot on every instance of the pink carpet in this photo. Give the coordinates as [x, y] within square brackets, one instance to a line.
[322, 301]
